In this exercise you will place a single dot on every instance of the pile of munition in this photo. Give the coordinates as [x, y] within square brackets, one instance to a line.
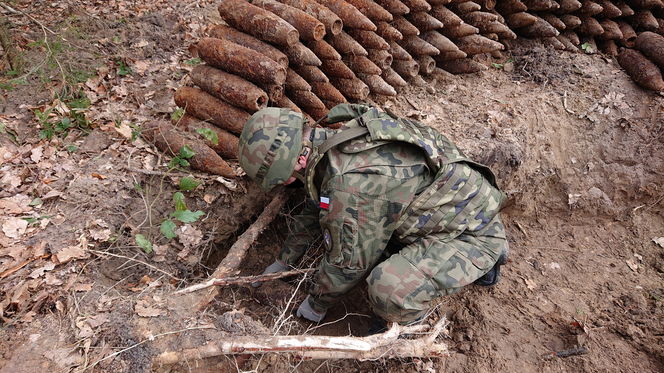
[310, 55]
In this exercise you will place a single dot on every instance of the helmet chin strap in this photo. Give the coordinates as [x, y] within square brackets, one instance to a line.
[298, 176]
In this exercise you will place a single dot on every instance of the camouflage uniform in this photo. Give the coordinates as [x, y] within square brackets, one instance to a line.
[439, 207]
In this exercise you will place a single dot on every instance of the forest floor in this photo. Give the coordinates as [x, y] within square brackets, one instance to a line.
[87, 279]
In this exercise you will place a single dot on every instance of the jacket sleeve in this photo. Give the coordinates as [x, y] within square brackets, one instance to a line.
[303, 231]
[355, 230]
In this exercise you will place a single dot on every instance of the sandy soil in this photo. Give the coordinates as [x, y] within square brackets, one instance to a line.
[577, 146]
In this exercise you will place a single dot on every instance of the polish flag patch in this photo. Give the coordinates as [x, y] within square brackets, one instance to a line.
[325, 203]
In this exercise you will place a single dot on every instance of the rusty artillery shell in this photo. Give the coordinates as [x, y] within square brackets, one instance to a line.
[398, 53]
[446, 16]
[455, 32]
[646, 4]
[493, 27]
[651, 45]
[520, 19]
[326, 91]
[609, 10]
[423, 21]
[569, 46]
[625, 9]
[206, 107]
[589, 27]
[317, 114]
[553, 21]
[643, 71]
[629, 35]
[507, 35]
[541, 5]
[570, 21]
[395, 7]
[300, 55]
[387, 32]
[438, 2]
[295, 82]
[368, 39]
[227, 143]
[417, 5]
[510, 7]
[553, 42]
[464, 7]
[170, 140]
[285, 102]
[407, 69]
[349, 14]
[643, 19]
[476, 44]
[450, 55]
[354, 89]
[258, 22]
[539, 29]
[460, 66]
[323, 50]
[608, 47]
[475, 18]
[274, 91]
[373, 11]
[611, 30]
[309, 27]
[404, 27]
[311, 74]
[344, 44]
[305, 100]
[241, 61]
[377, 85]
[248, 41]
[333, 24]
[230, 88]
[330, 104]
[360, 64]
[416, 46]
[427, 65]
[436, 39]
[487, 4]
[392, 78]
[572, 36]
[660, 29]
[380, 57]
[589, 8]
[336, 68]
[568, 6]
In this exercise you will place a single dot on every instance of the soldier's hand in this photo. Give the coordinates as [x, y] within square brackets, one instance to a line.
[308, 313]
[275, 267]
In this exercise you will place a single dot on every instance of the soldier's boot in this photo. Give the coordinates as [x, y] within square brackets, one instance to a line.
[492, 277]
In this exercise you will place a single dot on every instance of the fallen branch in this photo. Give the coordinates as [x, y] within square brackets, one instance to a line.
[239, 249]
[567, 353]
[385, 345]
[243, 280]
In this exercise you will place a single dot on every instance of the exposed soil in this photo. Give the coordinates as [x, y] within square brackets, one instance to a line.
[576, 145]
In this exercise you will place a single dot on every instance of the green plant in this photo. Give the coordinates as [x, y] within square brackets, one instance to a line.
[143, 243]
[193, 61]
[181, 160]
[177, 114]
[209, 134]
[587, 47]
[188, 183]
[181, 213]
[123, 69]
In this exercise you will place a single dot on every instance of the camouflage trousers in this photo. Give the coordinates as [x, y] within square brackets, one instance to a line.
[402, 287]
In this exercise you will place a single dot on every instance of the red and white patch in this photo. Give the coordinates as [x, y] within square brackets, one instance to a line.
[325, 203]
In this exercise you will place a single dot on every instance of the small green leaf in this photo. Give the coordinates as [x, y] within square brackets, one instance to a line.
[177, 114]
[209, 134]
[187, 216]
[180, 205]
[144, 243]
[498, 65]
[168, 229]
[587, 48]
[184, 163]
[35, 202]
[186, 152]
[188, 183]
[72, 148]
[30, 220]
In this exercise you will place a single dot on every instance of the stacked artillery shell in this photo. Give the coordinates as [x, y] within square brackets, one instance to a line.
[308, 26]
[227, 143]
[258, 22]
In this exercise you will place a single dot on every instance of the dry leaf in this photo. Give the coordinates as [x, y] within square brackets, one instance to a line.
[124, 130]
[144, 310]
[189, 236]
[101, 235]
[555, 265]
[82, 287]
[36, 154]
[659, 241]
[631, 263]
[40, 271]
[98, 176]
[530, 284]
[208, 198]
[64, 357]
[72, 252]
[95, 321]
[14, 227]
[28, 316]
[12, 179]
[50, 279]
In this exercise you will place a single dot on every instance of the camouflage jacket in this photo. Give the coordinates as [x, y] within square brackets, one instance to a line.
[373, 187]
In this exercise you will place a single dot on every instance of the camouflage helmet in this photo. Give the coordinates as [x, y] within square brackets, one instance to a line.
[270, 145]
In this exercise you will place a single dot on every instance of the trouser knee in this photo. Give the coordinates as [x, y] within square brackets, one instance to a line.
[399, 291]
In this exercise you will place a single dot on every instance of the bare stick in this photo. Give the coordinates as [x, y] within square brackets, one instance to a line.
[567, 353]
[243, 280]
[384, 345]
[239, 249]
